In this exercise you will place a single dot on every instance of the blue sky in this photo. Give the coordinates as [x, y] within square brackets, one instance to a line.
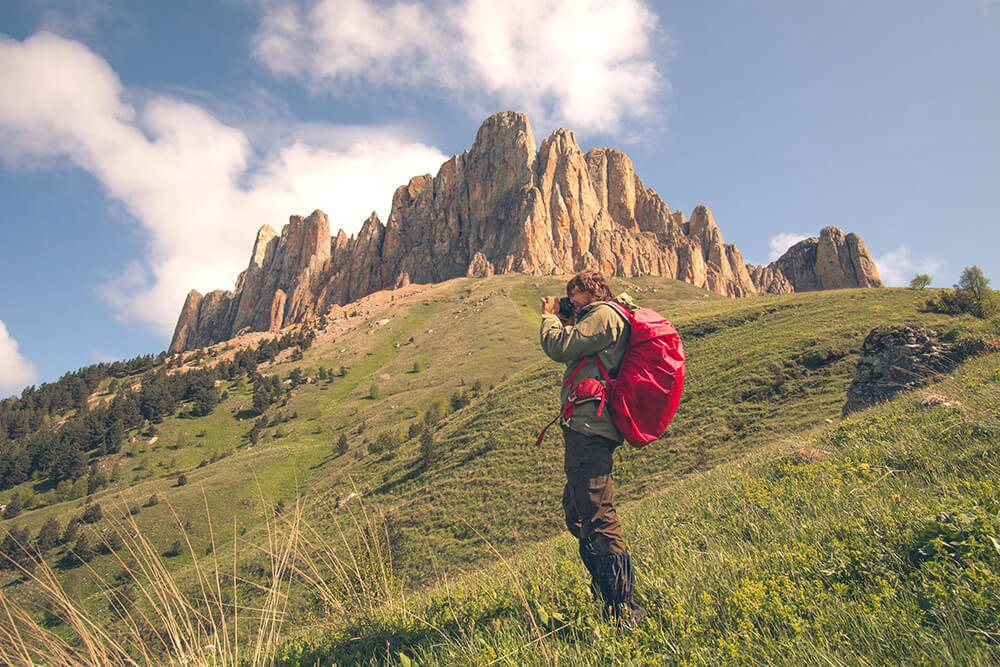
[142, 144]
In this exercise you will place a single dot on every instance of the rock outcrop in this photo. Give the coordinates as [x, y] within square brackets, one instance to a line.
[895, 359]
[503, 207]
[833, 261]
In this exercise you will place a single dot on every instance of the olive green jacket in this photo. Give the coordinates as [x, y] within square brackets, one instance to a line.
[601, 331]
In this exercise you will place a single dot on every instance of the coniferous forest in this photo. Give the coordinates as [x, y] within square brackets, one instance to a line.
[38, 440]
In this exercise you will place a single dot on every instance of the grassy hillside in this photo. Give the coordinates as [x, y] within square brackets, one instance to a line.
[875, 541]
[437, 398]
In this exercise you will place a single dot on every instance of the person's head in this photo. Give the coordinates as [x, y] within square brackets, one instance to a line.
[587, 286]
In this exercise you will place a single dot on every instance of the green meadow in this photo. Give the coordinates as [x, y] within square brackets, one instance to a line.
[393, 509]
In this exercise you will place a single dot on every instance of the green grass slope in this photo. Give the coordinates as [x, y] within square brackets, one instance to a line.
[875, 541]
[442, 394]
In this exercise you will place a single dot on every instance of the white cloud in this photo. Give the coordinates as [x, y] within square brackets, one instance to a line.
[897, 267]
[184, 175]
[16, 372]
[782, 242]
[586, 64]
[347, 38]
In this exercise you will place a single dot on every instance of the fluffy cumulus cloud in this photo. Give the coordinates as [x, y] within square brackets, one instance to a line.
[782, 242]
[586, 64]
[897, 267]
[190, 180]
[16, 372]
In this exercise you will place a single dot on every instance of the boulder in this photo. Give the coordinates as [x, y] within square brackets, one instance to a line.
[895, 359]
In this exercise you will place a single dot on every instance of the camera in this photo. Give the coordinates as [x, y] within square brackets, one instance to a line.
[566, 308]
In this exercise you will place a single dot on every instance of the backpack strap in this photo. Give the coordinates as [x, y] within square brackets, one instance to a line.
[572, 376]
[623, 313]
[573, 399]
[567, 410]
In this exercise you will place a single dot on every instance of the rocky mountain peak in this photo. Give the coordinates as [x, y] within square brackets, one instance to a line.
[506, 131]
[502, 206]
[833, 261]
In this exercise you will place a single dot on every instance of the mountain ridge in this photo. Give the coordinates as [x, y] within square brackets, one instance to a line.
[503, 207]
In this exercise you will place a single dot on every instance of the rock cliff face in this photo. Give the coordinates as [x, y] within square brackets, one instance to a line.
[502, 207]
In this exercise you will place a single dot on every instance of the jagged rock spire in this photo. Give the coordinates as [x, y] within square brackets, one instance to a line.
[503, 206]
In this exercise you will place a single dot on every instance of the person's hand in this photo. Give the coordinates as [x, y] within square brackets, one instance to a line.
[550, 304]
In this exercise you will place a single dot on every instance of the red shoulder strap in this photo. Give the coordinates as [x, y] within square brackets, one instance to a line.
[597, 360]
[572, 376]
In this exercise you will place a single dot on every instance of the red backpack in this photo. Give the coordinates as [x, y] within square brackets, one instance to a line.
[644, 395]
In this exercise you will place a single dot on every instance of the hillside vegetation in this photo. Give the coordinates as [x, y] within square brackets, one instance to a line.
[384, 501]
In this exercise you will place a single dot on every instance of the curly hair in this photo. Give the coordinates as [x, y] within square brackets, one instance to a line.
[590, 281]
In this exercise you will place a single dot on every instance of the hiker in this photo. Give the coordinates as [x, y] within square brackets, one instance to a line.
[590, 328]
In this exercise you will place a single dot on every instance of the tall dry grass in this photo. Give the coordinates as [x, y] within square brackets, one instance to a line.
[207, 614]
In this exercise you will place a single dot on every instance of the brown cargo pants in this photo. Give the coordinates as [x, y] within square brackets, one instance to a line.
[588, 498]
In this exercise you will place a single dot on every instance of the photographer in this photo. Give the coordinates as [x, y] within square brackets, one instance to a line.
[584, 329]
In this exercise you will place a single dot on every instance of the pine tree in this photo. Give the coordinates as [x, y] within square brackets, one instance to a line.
[14, 507]
[48, 535]
[255, 431]
[83, 550]
[14, 550]
[71, 532]
[428, 448]
[92, 513]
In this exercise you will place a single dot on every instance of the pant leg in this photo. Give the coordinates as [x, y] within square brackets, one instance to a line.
[588, 497]
[588, 503]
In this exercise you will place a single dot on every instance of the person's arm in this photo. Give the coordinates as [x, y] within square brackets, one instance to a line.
[591, 334]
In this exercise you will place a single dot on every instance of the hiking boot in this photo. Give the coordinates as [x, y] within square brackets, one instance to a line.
[626, 614]
[634, 613]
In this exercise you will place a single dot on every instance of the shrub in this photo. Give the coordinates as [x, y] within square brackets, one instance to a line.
[384, 441]
[429, 449]
[83, 551]
[971, 295]
[459, 400]
[253, 435]
[434, 414]
[72, 531]
[92, 513]
[48, 534]
[14, 550]
[13, 508]
[174, 550]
